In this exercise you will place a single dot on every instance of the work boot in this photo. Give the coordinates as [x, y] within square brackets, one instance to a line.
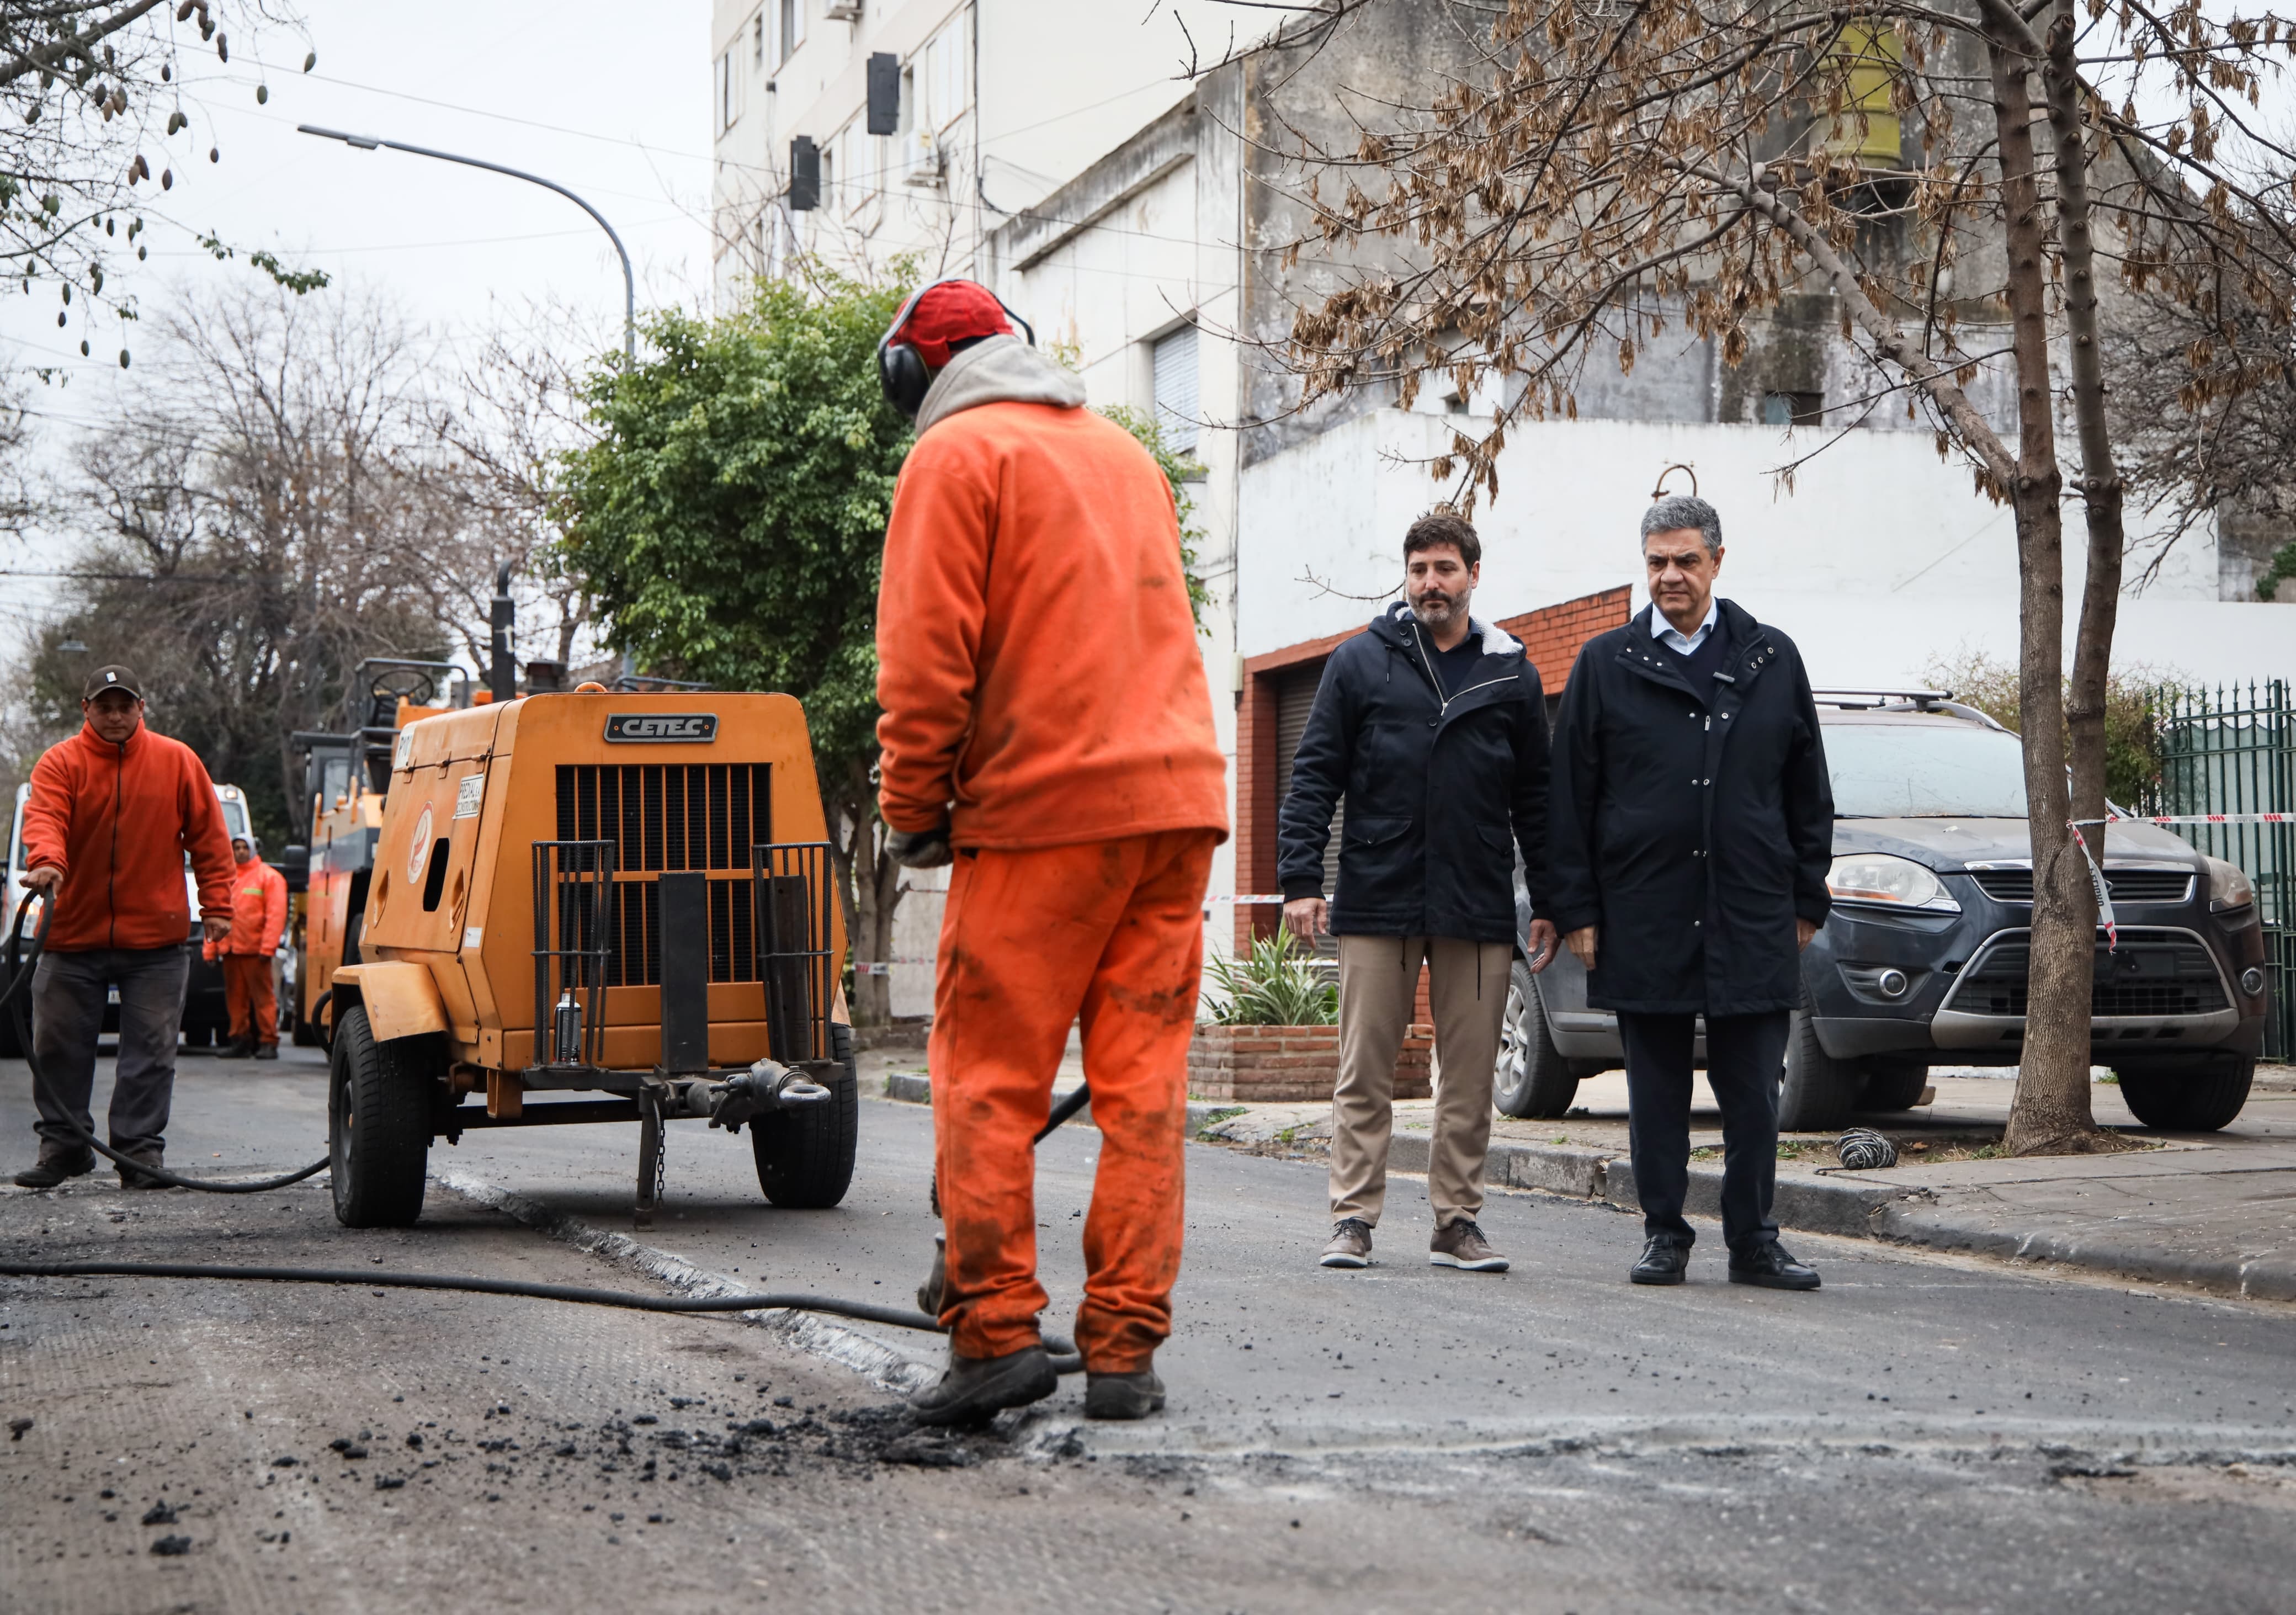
[976, 1388]
[1460, 1244]
[130, 1178]
[238, 1048]
[57, 1162]
[1122, 1396]
[1350, 1245]
[267, 1051]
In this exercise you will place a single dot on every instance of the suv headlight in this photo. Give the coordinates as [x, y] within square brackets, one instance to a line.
[1887, 881]
[2229, 887]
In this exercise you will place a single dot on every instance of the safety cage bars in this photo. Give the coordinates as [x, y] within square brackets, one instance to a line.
[575, 885]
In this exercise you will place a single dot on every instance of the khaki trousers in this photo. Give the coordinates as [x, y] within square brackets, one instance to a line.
[1467, 990]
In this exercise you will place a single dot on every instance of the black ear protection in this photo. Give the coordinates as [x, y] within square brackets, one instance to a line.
[901, 369]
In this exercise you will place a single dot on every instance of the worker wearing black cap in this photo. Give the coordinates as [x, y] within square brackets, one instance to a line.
[114, 813]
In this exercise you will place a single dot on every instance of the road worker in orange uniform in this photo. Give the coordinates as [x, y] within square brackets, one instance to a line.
[259, 919]
[1047, 727]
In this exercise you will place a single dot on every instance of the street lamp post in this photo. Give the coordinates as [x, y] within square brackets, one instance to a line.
[368, 143]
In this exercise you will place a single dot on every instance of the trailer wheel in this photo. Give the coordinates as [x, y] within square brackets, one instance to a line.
[805, 1157]
[378, 1125]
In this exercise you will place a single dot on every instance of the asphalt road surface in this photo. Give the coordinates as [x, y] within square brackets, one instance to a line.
[1922, 1434]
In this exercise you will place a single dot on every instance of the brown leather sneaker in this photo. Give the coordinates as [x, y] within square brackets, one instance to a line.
[1462, 1245]
[1350, 1245]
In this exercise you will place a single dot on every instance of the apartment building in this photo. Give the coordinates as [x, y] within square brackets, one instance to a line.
[911, 127]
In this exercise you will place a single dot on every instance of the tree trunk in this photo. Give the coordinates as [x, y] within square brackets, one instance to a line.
[869, 892]
[2101, 482]
[2051, 1111]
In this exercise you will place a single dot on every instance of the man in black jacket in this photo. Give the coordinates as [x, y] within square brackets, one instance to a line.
[1692, 830]
[1433, 727]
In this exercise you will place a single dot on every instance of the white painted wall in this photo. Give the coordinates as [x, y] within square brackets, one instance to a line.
[1881, 559]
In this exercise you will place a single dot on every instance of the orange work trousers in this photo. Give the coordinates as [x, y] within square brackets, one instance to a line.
[1110, 933]
[247, 995]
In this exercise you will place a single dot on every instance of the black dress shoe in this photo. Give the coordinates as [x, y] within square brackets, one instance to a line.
[1770, 1266]
[977, 1389]
[1663, 1262]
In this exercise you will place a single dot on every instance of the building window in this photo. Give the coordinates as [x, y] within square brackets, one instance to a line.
[858, 158]
[1794, 409]
[757, 41]
[946, 81]
[792, 31]
[729, 93]
[1175, 357]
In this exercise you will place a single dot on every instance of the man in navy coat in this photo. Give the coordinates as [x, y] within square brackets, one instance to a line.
[1692, 825]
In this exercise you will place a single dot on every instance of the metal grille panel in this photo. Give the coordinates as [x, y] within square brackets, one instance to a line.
[2174, 976]
[673, 817]
[2127, 885]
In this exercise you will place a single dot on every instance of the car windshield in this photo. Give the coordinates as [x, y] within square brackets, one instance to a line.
[1925, 770]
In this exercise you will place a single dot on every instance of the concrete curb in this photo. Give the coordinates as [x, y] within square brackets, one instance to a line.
[1819, 1206]
[1910, 1214]
[1942, 1227]
[915, 1087]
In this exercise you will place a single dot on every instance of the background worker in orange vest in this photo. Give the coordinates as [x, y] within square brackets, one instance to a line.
[1047, 725]
[259, 919]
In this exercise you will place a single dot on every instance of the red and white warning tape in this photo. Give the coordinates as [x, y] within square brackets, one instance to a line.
[2195, 818]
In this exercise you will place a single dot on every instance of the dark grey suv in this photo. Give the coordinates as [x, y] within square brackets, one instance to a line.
[1923, 959]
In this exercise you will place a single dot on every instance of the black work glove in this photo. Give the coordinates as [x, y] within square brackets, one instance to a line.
[920, 849]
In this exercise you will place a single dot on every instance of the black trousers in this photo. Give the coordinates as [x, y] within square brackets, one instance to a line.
[1744, 1055]
[68, 998]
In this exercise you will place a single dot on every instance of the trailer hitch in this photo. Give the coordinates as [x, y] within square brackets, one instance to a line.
[765, 1086]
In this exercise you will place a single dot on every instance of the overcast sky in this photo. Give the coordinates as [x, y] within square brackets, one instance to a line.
[605, 97]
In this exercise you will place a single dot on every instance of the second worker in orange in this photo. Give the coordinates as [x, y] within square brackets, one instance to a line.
[1047, 725]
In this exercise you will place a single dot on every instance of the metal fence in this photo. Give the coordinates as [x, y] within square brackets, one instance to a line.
[2233, 750]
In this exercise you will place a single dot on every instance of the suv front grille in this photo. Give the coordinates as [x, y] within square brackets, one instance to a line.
[672, 816]
[2172, 976]
[2127, 885]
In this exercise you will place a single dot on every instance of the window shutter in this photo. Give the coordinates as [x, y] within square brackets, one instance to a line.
[1175, 389]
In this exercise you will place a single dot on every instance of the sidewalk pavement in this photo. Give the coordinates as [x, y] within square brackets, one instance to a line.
[2213, 1210]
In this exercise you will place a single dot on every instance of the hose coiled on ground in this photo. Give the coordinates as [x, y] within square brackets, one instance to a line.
[15, 1002]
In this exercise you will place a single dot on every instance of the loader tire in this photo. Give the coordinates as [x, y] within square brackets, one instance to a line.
[378, 1125]
[805, 1157]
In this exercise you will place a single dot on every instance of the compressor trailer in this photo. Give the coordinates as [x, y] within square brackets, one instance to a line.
[591, 893]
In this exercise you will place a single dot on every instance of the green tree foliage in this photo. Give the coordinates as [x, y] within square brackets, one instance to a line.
[2132, 735]
[729, 524]
[2282, 569]
[1180, 469]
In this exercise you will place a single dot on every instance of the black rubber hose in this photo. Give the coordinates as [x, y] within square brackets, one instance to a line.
[14, 1002]
[1065, 1357]
[899, 1317]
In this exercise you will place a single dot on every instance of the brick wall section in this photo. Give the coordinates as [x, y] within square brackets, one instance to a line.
[1290, 1064]
[1552, 635]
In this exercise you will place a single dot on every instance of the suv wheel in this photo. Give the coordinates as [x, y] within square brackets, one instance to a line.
[1894, 1085]
[1815, 1092]
[2188, 1101]
[1533, 1080]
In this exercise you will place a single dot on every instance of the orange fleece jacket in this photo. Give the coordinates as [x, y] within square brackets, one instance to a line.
[1038, 661]
[118, 821]
[259, 911]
